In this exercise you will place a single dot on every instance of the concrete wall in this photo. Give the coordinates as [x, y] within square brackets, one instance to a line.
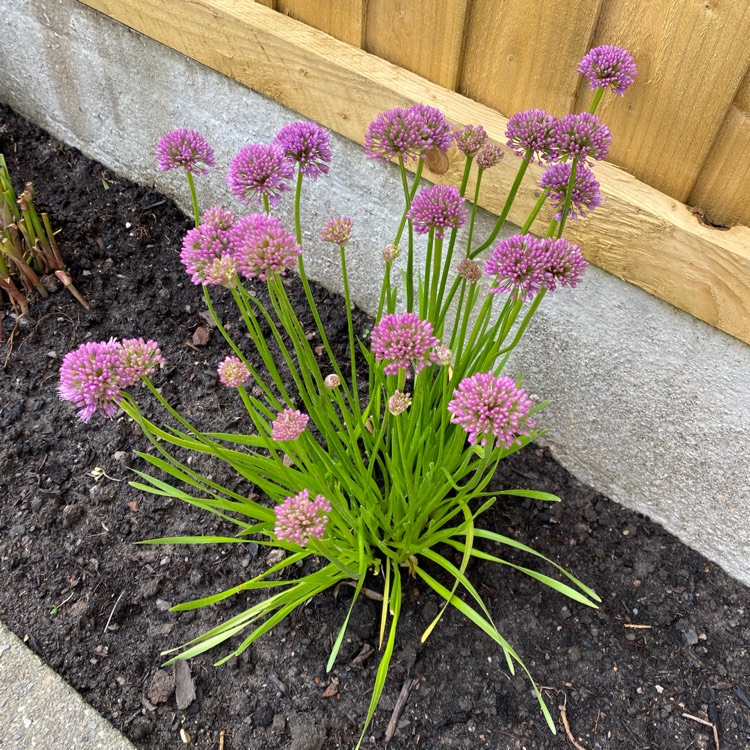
[650, 406]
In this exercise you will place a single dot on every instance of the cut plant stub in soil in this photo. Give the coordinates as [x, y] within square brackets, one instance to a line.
[662, 664]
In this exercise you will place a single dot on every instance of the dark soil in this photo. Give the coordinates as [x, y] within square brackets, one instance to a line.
[671, 637]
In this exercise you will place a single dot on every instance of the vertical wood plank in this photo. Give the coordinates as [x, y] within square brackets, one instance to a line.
[423, 36]
[722, 191]
[691, 59]
[525, 54]
[342, 19]
[268, 3]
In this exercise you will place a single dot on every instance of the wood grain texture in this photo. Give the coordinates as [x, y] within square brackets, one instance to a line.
[640, 234]
[723, 187]
[423, 36]
[342, 19]
[691, 59]
[525, 54]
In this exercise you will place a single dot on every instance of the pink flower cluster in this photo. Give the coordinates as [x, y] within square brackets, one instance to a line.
[470, 139]
[585, 195]
[307, 144]
[583, 136]
[233, 372]
[609, 67]
[298, 518]
[185, 149]
[337, 231]
[403, 341]
[531, 135]
[289, 425]
[437, 207]
[524, 265]
[92, 375]
[207, 252]
[260, 171]
[491, 409]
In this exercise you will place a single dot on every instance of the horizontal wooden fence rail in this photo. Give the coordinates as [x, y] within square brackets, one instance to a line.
[640, 234]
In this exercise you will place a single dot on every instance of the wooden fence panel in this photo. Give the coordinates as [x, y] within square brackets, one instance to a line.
[525, 54]
[425, 36]
[723, 188]
[691, 57]
[342, 19]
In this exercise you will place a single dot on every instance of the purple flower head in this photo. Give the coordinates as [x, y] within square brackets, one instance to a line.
[583, 136]
[289, 425]
[437, 207]
[404, 341]
[262, 247]
[233, 372]
[585, 195]
[307, 144]
[518, 265]
[408, 133]
[608, 67]
[470, 270]
[337, 231]
[138, 358]
[90, 377]
[565, 264]
[298, 518]
[186, 149]
[398, 403]
[489, 156]
[531, 134]
[443, 355]
[207, 251]
[470, 139]
[491, 409]
[260, 171]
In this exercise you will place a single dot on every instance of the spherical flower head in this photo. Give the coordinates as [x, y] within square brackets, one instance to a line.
[443, 355]
[260, 171]
[470, 270]
[518, 264]
[437, 207]
[398, 403]
[289, 425]
[531, 134]
[390, 253]
[492, 410]
[489, 156]
[298, 519]
[138, 358]
[408, 133]
[585, 195]
[186, 149]
[337, 231]
[219, 217]
[307, 144]
[90, 377]
[608, 67]
[332, 380]
[565, 264]
[263, 247]
[583, 136]
[233, 372]
[470, 139]
[402, 340]
[207, 251]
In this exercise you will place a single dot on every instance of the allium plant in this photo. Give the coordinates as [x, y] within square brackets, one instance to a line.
[372, 479]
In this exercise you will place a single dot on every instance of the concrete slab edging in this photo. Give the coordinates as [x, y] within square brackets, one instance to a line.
[39, 710]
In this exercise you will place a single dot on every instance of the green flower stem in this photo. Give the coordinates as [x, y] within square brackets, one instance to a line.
[597, 98]
[193, 198]
[350, 322]
[424, 288]
[473, 215]
[435, 283]
[535, 211]
[568, 197]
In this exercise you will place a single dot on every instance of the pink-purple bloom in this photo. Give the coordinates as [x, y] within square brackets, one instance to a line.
[398, 403]
[608, 67]
[337, 231]
[470, 139]
[437, 207]
[263, 247]
[565, 264]
[260, 171]
[403, 341]
[298, 518]
[585, 195]
[470, 270]
[489, 156]
[408, 133]
[531, 134]
[232, 372]
[307, 144]
[185, 149]
[289, 425]
[583, 136]
[92, 375]
[493, 410]
[207, 252]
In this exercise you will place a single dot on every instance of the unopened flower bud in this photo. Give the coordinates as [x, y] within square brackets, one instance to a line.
[470, 270]
[332, 381]
[398, 403]
[443, 355]
[390, 253]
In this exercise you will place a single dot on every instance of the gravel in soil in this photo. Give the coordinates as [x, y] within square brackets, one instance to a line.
[668, 646]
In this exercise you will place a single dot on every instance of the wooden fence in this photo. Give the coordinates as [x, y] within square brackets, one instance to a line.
[642, 233]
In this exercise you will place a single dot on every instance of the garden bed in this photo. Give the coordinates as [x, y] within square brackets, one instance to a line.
[670, 638]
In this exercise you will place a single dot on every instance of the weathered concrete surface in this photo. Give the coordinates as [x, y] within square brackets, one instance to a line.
[650, 405]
